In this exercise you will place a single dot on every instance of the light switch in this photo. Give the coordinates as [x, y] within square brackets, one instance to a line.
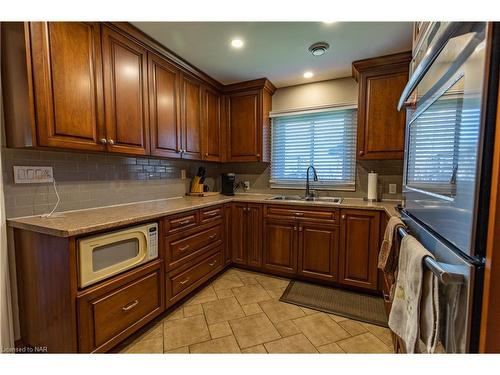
[32, 175]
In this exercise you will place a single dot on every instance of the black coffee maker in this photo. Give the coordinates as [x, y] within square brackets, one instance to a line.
[228, 183]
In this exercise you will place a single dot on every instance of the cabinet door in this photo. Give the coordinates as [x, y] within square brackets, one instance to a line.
[227, 215]
[280, 245]
[254, 234]
[164, 107]
[381, 127]
[359, 245]
[318, 251]
[244, 127]
[67, 72]
[191, 118]
[126, 94]
[211, 125]
[238, 233]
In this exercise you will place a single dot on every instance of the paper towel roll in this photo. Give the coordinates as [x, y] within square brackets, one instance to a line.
[372, 186]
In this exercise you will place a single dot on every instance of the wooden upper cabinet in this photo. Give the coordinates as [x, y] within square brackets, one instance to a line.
[247, 117]
[164, 107]
[381, 127]
[212, 130]
[191, 117]
[318, 250]
[126, 93]
[67, 77]
[359, 246]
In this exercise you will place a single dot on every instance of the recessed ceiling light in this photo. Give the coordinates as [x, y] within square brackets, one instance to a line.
[237, 43]
[308, 74]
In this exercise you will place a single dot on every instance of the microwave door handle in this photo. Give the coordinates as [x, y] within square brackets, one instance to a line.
[428, 59]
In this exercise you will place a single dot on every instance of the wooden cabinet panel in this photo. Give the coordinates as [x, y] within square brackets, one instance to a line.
[212, 131]
[244, 127]
[112, 310]
[210, 214]
[309, 213]
[359, 247]
[180, 222]
[164, 80]
[67, 72]
[280, 245]
[318, 251]
[227, 214]
[191, 118]
[254, 234]
[381, 128]
[238, 233]
[126, 93]
[181, 248]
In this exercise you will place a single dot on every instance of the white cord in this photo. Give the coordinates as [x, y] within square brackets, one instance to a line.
[58, 200]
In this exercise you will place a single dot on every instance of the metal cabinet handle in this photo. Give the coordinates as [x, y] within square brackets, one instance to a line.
[343, 217]
[111, 142]
[258, 155]
[294, 228]
[131, 305]
[361, 152]
[103, 141]
[300, 229]
[212, 264]
[184, 248]
[299, 214]
[213, 213]
[206, 154]
[212, 236]
[184, 281]
[184, 222]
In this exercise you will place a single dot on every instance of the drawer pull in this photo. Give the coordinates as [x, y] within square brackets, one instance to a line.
[213, 263]
[184, 248]
[184, 222]
[299, 214]
[184, 281]
[213, 213]
[131, 305]
[212, 236]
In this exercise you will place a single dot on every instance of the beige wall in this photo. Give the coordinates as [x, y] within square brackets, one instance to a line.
[332, 92]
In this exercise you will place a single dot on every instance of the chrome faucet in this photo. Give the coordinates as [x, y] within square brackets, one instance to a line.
[308, 192]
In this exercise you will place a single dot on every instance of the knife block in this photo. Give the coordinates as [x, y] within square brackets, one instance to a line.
[196, 185]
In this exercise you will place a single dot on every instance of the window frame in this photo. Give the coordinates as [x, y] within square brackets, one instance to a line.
[316, 185]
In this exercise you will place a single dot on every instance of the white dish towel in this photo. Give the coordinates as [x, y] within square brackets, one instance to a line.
[414, 315]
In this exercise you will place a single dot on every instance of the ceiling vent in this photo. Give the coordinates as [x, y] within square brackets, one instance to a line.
[319, 48]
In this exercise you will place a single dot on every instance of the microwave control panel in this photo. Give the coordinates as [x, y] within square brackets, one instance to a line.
[153, 241]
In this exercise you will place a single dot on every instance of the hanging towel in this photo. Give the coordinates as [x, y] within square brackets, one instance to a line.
[414, 315]
[388, 254]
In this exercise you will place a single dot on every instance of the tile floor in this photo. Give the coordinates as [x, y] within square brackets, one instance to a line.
[240, 312]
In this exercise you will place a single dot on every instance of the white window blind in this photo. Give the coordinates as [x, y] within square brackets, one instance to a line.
[443, 145]
[324, 139]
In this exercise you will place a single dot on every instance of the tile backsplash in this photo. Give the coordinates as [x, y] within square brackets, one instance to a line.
[87, 180]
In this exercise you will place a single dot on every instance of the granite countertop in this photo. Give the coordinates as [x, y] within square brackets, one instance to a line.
[76, 223]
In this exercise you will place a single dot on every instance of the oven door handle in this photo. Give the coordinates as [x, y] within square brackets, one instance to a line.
[431, 54]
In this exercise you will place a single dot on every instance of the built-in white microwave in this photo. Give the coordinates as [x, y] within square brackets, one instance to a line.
[108, 254]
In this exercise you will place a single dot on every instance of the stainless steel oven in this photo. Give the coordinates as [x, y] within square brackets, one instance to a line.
[450, 101]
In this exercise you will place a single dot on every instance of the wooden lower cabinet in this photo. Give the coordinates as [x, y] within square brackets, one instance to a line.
[318, 251]
[359, 246]
[112, 310]
[247, 234]
[280, 246]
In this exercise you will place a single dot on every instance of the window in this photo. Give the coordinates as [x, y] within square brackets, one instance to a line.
[325, 139]
[443, 144]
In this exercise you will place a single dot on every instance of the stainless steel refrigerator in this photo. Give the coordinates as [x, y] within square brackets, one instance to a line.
[450, 102]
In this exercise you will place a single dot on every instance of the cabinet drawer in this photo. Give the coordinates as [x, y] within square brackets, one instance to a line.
[210, 214]
[179, 249]
[306, 213]
[110, 312]
[190, 276]
[179, 222]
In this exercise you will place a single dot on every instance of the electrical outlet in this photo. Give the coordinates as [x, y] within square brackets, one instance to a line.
[392, 188]
[32, 175]
[183, 174]
[246, 185]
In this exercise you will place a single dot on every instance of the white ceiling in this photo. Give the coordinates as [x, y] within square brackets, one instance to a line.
[278, 50]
